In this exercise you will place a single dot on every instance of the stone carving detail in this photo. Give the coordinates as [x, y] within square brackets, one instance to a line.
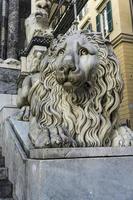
[43, 4]
[37, 23]
[29, 81]
[10, 61]
[75, 101]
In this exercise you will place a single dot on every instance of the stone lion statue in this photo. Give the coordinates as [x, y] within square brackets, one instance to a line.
[75, 101]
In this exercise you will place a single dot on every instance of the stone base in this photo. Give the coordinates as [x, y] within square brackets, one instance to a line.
[65, 174]
[7, 100]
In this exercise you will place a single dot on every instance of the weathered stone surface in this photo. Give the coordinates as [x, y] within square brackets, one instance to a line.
[8, 80]
[37, 23]
[96, 177]
[7, 111]
[76, 179]
[13, 24]
[10, 64]
[2, 161]
[3, 173]
[34, 58]
[5, 189]
[15, 160]
[40, 4]
[21, 130]
[37, 26]
[74, 98]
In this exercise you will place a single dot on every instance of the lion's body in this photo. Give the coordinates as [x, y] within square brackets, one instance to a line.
[82, 102]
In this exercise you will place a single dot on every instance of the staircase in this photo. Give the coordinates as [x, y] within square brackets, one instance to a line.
[5, 185]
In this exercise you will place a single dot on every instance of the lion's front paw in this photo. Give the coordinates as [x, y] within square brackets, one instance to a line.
[123, 137]
[24, 114]
[54, 137]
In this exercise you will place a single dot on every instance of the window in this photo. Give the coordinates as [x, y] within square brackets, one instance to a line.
[83, 12]
[88, 26]
[104, 22]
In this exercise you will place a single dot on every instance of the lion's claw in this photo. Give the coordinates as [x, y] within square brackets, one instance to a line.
[24, 114]
[54, 137]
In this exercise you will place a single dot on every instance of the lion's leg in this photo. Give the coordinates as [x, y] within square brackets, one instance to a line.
[22, 100]
[24, 114]
[60, 138]
[67, 140]
[49, 136]
[39, 136]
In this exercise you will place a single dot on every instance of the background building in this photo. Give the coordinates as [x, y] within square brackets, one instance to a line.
[114, 18]
[12, 22]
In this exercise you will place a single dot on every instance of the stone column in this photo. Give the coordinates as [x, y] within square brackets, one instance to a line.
[0, 22]
[4, 22]
[13, 23]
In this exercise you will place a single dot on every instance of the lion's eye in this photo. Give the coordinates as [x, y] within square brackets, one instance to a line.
[83, 51]
[61, 51]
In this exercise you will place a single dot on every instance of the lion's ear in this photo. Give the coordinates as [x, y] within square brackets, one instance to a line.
[109, 48]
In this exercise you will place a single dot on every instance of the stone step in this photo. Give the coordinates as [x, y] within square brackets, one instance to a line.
[3, 173]
[6, 189]
[6, 199]
[2, 161]
[0, 151]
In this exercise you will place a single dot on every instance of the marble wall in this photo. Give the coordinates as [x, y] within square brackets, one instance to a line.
[12, 31]
[13, 23]
[8, 81]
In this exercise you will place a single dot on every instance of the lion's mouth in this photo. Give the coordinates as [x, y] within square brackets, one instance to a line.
[41, 14]
[38, 14]
[68, 86]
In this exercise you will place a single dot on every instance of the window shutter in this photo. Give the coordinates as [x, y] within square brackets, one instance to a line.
[98, 24]
[109, 16]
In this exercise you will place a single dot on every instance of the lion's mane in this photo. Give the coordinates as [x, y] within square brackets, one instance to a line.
[90, 115]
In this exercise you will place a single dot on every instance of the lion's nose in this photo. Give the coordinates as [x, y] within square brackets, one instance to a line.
[67, 65]
[68, 59]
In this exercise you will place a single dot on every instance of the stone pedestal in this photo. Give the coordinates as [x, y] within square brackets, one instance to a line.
[65, 174]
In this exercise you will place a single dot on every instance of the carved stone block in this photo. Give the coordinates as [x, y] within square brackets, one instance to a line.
[74, 174]
[34, 58]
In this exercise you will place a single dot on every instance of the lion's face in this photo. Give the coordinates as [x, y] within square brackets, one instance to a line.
[43, 6]
[75, 59]
[62, 101]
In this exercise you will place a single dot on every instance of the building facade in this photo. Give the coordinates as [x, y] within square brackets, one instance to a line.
[114, 18]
